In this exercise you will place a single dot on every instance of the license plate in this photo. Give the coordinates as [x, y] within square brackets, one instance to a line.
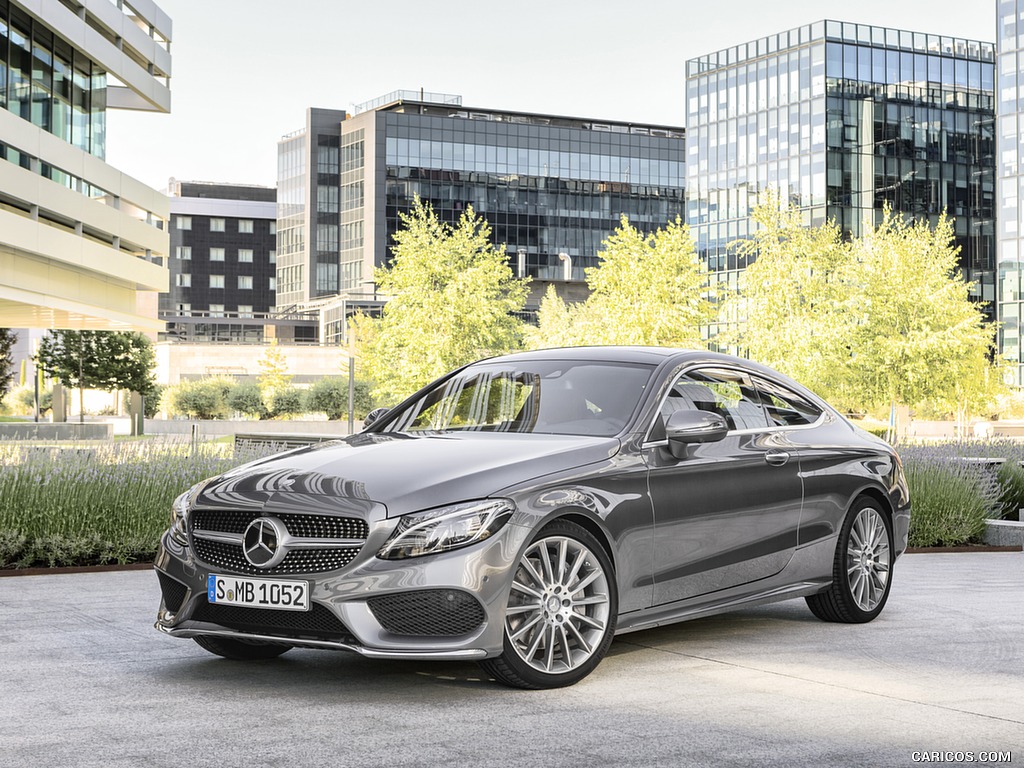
[258, 593]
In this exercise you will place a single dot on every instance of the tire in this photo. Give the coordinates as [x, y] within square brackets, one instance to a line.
[861, 570]
[561, 611]
[240, 650]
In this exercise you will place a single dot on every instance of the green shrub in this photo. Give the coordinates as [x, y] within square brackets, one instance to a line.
[151, 401]
[199, 398]
[23, 400]
[949, 504]
[108, 503]
[246, 398]
[1011, 483]
[283, 401]
[330, 396]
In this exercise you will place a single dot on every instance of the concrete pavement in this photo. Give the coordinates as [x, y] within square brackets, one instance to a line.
[86, 681]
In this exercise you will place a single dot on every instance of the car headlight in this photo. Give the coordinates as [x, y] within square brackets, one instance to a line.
[446, 528]
[179, 514]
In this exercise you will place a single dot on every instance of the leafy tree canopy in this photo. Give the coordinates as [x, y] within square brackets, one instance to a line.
[107, 360]
[649, 289]
[885, 319]
[452, 301]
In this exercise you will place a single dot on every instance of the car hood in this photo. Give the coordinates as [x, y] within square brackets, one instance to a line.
[404, 472]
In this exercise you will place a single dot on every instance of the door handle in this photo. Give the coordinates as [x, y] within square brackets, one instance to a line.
[776, 458]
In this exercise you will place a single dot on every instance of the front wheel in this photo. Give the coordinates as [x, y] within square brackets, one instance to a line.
[561, 611]
[861, 570]
[240, 650]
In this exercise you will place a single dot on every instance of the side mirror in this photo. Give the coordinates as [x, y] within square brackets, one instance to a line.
[686, 427]
[373, 415]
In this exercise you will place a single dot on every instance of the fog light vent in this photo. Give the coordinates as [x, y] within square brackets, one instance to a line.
[173, 591]
[428, 612]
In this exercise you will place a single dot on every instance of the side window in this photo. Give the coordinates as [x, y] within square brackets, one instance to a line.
[785, 408]
[728, 393]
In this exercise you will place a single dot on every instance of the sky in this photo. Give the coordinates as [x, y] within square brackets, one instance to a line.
[245, 71]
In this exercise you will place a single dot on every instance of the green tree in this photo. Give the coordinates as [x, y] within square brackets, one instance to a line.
[330, 396]
[882, 320]
[7, 339]
[247, 398]
[649, 289]
[452, 301]
[916, 334]
[273, 369]
[790, 310]
[107, 360]
[199, 398]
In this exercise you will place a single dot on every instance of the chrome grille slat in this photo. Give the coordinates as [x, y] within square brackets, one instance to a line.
[217, 540]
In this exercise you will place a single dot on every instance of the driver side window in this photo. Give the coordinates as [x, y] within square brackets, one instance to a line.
[730, 394]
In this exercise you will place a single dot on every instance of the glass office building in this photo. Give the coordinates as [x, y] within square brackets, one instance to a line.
[840, 119]
[1010, 178]
[548, 185]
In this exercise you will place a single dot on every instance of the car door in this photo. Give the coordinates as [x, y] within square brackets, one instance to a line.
[728, 513]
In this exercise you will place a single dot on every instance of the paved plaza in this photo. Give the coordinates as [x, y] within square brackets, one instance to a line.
[88, 682]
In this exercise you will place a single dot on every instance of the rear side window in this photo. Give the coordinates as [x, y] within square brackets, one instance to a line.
[784, 407]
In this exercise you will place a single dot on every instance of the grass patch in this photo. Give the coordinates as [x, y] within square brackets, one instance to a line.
[97, 503]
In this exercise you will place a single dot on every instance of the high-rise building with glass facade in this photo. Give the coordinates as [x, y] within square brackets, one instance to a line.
[840, 119]
[1010, 179]
[81, 244]
[551, 187]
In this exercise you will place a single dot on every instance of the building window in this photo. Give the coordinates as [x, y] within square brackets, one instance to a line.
[183, 222]
[273, 227]
[216, 310]
[183, 252]
[216, 225]
[272, 284]
[216, 281]
[245, 255]
[245, 226]
[273, 257]
[245, 282]
[183, 280]
[216, 254]
[245, 310]
[184, 308]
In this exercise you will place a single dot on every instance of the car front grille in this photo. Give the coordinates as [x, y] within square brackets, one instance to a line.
[312, 526]
[229, 557]
[428, 612]
[318, 623]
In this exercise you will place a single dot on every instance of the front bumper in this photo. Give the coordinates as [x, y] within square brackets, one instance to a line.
[342, 616]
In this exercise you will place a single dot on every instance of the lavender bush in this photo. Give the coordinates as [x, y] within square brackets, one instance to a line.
[101, 503]
[952, 496]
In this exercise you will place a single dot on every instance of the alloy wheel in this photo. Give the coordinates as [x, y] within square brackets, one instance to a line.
[868, 559]
[559, 605]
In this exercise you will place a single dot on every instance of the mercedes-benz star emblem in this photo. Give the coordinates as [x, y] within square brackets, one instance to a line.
[262, 542]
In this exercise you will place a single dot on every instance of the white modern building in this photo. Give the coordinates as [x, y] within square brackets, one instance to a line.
[82, 245]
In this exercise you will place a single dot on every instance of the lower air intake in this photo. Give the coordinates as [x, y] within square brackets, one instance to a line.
[428, 612]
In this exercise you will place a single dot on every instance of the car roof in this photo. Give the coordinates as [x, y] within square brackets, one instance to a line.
[612, 354]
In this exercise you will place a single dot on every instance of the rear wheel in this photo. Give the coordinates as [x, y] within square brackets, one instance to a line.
[861, 570]
[240, 650]
[561, 610]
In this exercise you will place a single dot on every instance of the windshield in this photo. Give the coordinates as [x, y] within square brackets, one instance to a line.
[542, 396]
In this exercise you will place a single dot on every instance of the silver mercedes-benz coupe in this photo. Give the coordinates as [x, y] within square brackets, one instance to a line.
[523, 510]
